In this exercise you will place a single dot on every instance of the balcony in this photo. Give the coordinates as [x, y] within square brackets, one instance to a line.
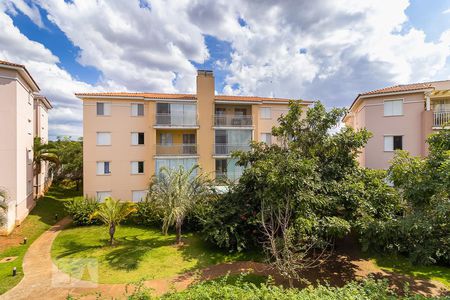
[232, 121]
[176, 120]
[227, 149]
[441, 118]
[176, 150]
[233, 176]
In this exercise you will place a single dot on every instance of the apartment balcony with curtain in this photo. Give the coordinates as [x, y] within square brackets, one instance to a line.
[233, 176]
[176, 149]
[227, 149]
[176, 120]
[441, 118]
[233, 120]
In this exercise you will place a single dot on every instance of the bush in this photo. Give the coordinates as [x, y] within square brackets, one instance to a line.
[368, 289]
[80, 209]
[147, 214]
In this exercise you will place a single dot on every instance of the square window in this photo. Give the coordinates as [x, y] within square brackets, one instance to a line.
[137, 167]
[103, 138]
[103, 168]
[266, 113]
[393, 142]
[137, 109]
[138, 196]
[137, 138]
[266, 138]
[103, 108]
[393, 108]
[101, 196]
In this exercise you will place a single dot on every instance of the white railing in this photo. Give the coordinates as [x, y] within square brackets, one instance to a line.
[232, 121]
[226, 149]
[176, 149]
[171, 119]
[441, 118]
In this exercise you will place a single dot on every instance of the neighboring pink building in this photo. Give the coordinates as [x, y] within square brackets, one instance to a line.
[399, 117]
[23, 115]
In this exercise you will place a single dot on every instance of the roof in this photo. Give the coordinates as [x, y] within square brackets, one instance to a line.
[400, 88]
[181, 97]
[24, 73]
[44, 101]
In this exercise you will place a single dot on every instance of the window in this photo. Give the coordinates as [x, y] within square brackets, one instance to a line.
[137, 138]
[266, 113]
[174, 163]
[165, 139]
[137, 167]
[102, 195]
[266, 138]
[138, 196]
[137, 109]
[103, 168]
[240, 112]
[393, 142]
[393, 108]
[103, 138]
[103, 108]
[221, 111]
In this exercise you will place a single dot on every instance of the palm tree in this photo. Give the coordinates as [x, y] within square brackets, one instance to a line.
[3, 207]
[175, 192]
[111, 213]
[42, 153]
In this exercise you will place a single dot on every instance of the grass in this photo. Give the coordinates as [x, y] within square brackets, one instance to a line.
[402, 265]
[139, 254]
[41, 218]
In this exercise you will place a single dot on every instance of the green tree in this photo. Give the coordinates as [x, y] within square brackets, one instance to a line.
[3, 207]
[43, 153]
[175, 192]
[111, 213]
[70, 154]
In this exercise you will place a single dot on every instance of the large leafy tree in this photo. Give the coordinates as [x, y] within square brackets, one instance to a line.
[175, 192]
[43, 153]
[111, 213]
[70, 154]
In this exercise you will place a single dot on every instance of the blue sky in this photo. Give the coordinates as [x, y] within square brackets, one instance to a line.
[327, 50]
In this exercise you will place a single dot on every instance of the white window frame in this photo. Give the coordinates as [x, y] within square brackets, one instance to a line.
[106, 109]
[265, 134]
[103, 144]
[135, 167]
[391, 149]
[101, 170]
[101, 195]
[142, 193]
[264, 111]
[392, 113]
[135, 138]
[135, 109]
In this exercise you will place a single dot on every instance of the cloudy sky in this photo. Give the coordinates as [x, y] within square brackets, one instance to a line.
[326, 49]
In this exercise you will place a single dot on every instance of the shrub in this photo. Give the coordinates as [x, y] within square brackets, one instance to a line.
[80, 209]
[147, 214]
[368, 289]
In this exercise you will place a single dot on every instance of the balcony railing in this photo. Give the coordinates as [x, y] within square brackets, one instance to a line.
[176, 120]
[441, 118]
[232, 121]
[176, 149]
[226, 149]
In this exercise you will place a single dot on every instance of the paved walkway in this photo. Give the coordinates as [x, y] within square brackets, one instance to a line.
[43, 280]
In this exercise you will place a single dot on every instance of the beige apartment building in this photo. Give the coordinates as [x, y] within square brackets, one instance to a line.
[399, 117]
[128, 137]
[23, 116]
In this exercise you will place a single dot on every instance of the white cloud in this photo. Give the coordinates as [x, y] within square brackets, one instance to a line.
[30, 10]
[447, 11]
[329, 50]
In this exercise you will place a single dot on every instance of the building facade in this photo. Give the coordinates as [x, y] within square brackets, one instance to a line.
[23, 116]
[128, 137]
[399, 117]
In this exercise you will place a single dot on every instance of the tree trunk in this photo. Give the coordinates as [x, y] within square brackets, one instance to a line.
[37, 185]
[178, 231]
[112, 230]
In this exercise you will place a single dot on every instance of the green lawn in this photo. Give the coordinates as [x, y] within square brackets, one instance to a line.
[139, 253]
[40, 219]
[402, 265]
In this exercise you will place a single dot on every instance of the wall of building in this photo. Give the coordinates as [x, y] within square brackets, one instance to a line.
[120, 153]
[370, 115]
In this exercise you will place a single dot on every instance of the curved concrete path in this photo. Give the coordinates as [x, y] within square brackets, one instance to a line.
[43, 280]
